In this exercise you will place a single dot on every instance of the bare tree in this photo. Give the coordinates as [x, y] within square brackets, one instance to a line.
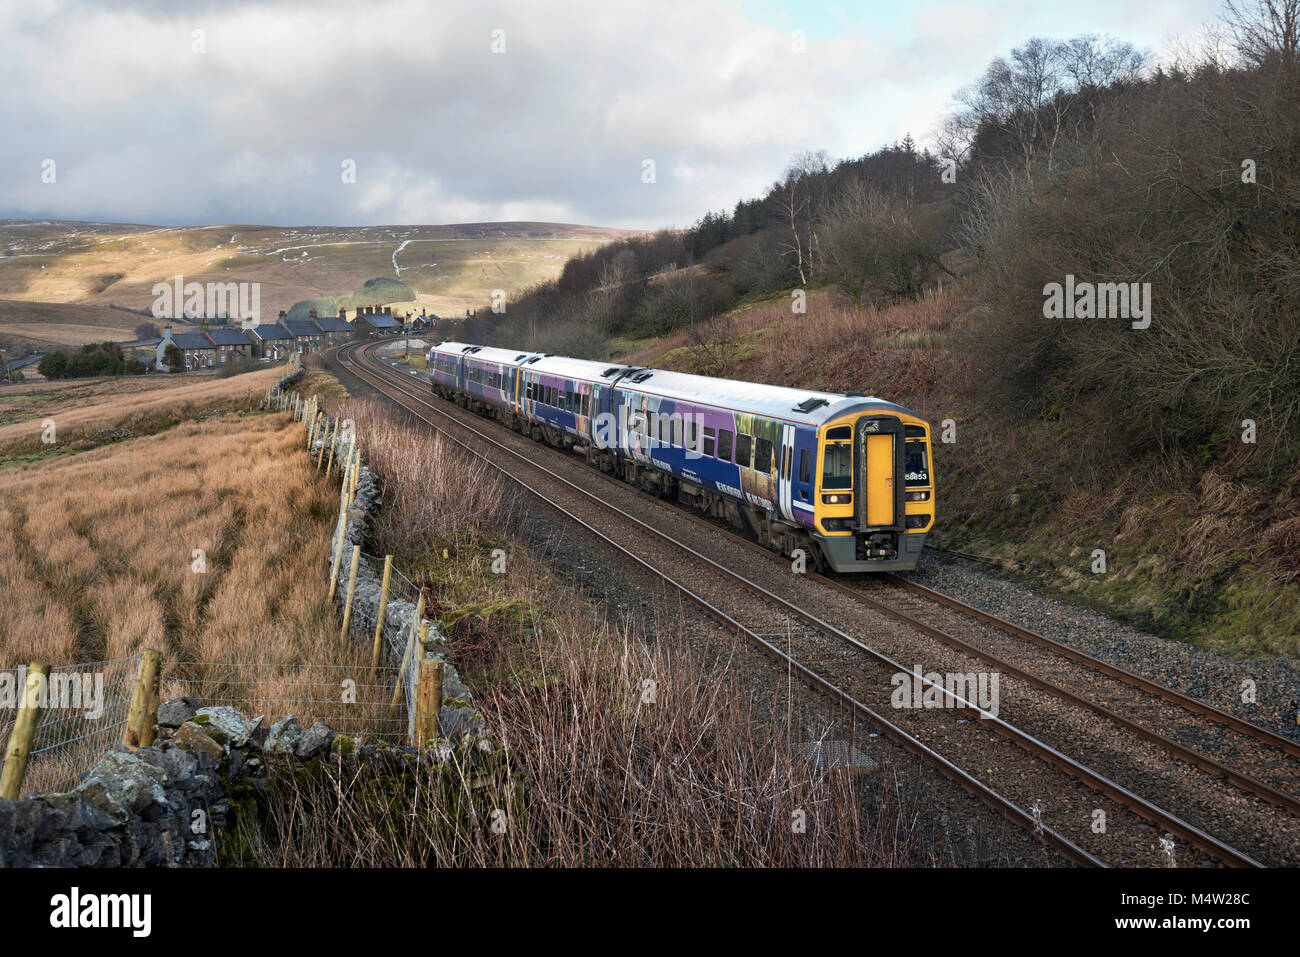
[1031, 96]
[1265, 31]
[801, 198]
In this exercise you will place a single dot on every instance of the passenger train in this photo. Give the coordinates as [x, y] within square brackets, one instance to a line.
[845, 478]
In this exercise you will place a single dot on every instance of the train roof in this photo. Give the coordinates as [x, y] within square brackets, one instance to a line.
[806, 406]
[489, 353]
[586, 369]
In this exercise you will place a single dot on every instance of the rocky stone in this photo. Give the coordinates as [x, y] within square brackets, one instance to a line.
[122, 784]
[283, 737]
[195, 738]
[176, 712]
[315, 741]
[229, 722]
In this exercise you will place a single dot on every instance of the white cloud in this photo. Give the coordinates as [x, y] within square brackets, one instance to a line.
[254, 129]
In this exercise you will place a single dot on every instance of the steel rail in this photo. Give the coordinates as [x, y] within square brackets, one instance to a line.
[1086, 775]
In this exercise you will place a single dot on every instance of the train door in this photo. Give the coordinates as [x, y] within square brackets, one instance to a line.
[879, 498]
[785, 470]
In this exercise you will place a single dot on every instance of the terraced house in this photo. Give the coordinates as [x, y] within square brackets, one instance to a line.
[270, 341]
[200, 352]
[371, 320]
[232, 344]
[307, 336]
[337, 329]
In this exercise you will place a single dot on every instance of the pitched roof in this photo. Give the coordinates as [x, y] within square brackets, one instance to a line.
[380, 321]
[301, 327]
[333, 324]
[192, 340]
[228, 337]
[270, 331]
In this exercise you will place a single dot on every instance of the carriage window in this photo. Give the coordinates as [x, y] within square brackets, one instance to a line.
[709, 435]
[724, 445]
[744, 449]
[763, 455]
[677, 430]
[586, 405]
[805, 465]
[837, 465]
[916, 471]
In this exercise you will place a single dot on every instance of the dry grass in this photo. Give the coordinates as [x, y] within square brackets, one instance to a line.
[97, 551]
[889, 351]
[597, 776]
[608, 780]
[81, 408]
[98, 560]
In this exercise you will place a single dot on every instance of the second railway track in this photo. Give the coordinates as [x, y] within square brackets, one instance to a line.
[831, 658]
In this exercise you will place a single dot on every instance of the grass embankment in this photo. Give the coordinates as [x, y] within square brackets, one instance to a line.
[206, 541]
[608, 777]
[1192, 553]
[89, 412]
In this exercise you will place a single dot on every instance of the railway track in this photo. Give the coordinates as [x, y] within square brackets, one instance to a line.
[846, 668]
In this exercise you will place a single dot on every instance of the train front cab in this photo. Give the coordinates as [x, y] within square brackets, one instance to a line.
[875, 495]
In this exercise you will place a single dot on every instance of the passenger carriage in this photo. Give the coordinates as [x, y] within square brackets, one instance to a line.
[844, 479]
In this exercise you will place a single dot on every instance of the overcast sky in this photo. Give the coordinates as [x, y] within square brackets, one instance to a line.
[256, 127]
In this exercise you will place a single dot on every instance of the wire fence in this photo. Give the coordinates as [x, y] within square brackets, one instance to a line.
[85, 709]
[364, 703]
[83, 713]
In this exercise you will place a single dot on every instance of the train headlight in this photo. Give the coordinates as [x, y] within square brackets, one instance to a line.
[843, 498]
[918, 496]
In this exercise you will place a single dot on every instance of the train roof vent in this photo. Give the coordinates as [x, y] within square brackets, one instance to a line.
[532, 360]
[610, 371]
[854, 395]
[807, 405]
[642, 376]
[520, 356]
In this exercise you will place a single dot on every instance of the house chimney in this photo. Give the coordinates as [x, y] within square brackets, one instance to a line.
[343, 314]
[312, 315]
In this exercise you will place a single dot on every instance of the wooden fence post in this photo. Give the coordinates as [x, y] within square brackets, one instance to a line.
[428, 701]
[143, 710]
[352, 587]
[383, 612]
[338, 550]
[410, 650]
[324, 441]
[20, 738]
